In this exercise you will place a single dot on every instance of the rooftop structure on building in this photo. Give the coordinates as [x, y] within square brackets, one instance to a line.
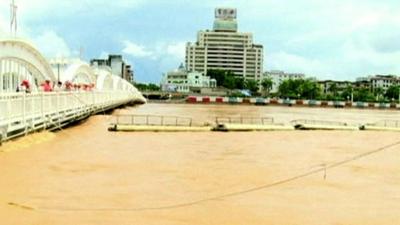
[117, 65]
[225, 48]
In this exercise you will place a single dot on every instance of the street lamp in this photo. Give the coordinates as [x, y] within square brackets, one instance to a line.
[58, 62]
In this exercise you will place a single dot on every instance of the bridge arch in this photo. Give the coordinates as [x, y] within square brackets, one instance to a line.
[19, 60]
[118, 83]
[79, 73]
[105, 81]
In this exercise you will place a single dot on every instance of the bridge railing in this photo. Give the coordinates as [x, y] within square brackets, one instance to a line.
[24, 110]
[152, 120]
[245, 120]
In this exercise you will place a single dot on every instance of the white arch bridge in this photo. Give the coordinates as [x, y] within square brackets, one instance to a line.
[91, 90]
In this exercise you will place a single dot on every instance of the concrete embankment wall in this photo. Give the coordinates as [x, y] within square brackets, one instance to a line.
[285, 102]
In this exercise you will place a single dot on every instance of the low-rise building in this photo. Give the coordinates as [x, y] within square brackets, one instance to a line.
[379, 81]
[278, 76]
[383, 81]
[181, 80]
[331, 86]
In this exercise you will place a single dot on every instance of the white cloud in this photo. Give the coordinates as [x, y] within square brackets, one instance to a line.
[177, 50]
[52, 45]
[295, 63]
[137, 50]
[332, 38]
[3, 26]
[33, 8]
[103, 55]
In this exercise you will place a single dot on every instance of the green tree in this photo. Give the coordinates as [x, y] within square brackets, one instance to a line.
[287, 89]
[379, 94]
[299, 88]
[147, 87]
[252, 86]
[347, 92]
[333, 89]
[239, 83]
[393, 92]
[363, 95]
[309, 89]
[218, 75]
[229, 82]
[153, 87]
[267, 85]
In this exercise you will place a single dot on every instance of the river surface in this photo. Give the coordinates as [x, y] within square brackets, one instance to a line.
[87, 175]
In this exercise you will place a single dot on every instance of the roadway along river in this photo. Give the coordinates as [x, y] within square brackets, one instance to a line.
[87, 175]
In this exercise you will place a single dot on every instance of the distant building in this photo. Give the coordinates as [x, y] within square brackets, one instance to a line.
[339, 86]
[362, 82]
[278, 76]
[117, 65]
[225, 48]
[379, 81]
[383, 81]
[181, 80]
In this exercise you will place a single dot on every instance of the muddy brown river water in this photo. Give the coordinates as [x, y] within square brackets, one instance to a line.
[85, 175]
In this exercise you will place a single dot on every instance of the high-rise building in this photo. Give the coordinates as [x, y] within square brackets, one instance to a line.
[225, 48]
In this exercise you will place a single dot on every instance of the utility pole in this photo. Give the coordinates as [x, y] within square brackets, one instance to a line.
[13, 19]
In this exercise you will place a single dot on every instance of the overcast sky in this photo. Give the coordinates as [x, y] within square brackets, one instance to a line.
[331, 39]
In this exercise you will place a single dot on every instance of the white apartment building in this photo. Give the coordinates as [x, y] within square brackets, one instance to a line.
[180, 80]
[278, 77]
[380, 81]
[383, 81]
[225, 48]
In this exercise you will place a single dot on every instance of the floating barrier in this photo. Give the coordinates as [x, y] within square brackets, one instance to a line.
[322, 125]
[248, 124]
[149, 128]
[384, 125]
[251, 127]
[377, 128]
[155, 123]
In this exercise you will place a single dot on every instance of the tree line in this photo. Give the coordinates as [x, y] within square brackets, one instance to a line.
[305, 89]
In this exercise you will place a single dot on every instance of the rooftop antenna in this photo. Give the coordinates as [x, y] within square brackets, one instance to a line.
[13, 18]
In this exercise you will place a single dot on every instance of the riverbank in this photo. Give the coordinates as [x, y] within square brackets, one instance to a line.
[278, 102]
[289, 102]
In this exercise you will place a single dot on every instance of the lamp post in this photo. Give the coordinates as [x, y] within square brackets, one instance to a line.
[352, 96]
[59, 62]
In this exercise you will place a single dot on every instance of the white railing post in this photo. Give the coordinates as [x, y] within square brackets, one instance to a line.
[24, 110]
[42, 109]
